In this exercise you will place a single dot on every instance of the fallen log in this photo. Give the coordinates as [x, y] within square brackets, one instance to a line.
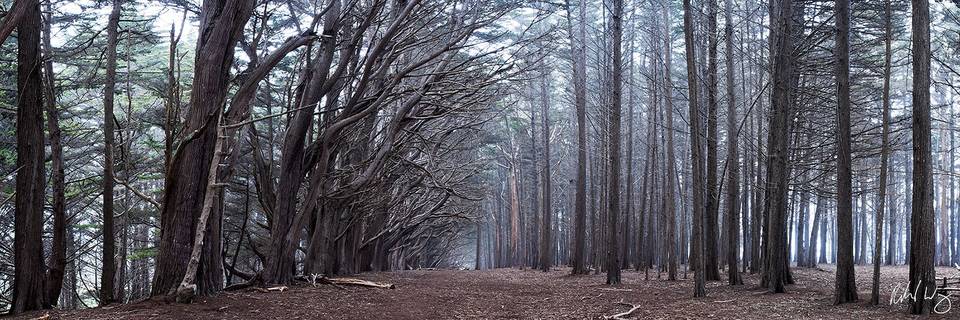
[359, 282]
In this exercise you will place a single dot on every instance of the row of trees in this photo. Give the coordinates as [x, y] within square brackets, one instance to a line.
[264, 142]
[817, 162]
[293, 138]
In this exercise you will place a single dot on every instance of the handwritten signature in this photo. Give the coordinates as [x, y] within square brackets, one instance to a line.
[901, 294]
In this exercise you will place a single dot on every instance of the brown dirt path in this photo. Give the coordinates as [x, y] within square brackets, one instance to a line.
[528, 294]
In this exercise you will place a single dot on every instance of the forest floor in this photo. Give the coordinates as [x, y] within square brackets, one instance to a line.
[531, 294]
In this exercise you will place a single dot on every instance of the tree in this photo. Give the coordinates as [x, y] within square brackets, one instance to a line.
[696, 153]
[546, 242]
[58, 246]
[922, 244]
[613, 202]
[578, 59]
[221, 23]
[776, 270]
[28, 266]
[884, 155]
[108, 273]
[670, 180]
[713, 198]
[846, 285]
[733, 157]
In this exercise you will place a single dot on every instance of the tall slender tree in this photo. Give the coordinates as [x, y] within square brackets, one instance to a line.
[109, 270]
[733, 156]
[696, 153]
[846, 285]
[578, 59]
[613, 189]
[884, 155]
[922, 244]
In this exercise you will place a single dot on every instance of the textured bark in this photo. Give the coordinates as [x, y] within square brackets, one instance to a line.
[696, 153]
[109, 270]
[578, 58]
[713, 198]
[613, 191]
[884, 155]
[922, 273]
[846, 286]
[546, 241]
[11, 20]
[28, 266]
[221, 24]
[669, 179]
[776, 270]
[733, 157]
[57, 261]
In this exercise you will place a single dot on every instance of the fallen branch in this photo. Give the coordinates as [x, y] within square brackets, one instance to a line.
[725, 301]
[360, 282]
[624, 315]
[616, 289]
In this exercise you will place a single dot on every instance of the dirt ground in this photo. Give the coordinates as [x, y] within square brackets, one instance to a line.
[530, 294]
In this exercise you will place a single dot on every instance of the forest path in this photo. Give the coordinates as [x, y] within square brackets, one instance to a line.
[528, 294]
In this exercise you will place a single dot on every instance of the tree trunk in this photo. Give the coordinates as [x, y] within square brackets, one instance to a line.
[109, 270]
[733, 157]
[28, 266]
[846, 285]
[546, 241]
[221, 24]
[58, 246]
[884, 155]
[776, 264]
[613, 202]
[713, 198]
[578, 59]
[697, 185]
[669, 179]
[922, 273]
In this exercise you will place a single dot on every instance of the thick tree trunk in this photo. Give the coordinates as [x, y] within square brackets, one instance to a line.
[776, 265]
[713, 198]
[221, 24]
[28, 266]
[922, 245]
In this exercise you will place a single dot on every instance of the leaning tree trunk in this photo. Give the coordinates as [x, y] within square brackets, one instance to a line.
[922, 273]
[221, 25]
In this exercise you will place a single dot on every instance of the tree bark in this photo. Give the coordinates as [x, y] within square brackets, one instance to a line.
[109, 270]
[922, 245]
[221, 24]
[696, 150]
[884, 155]
[28, 268]
[578, 58]
[733, 157]
[613, 254]
[846, 285]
